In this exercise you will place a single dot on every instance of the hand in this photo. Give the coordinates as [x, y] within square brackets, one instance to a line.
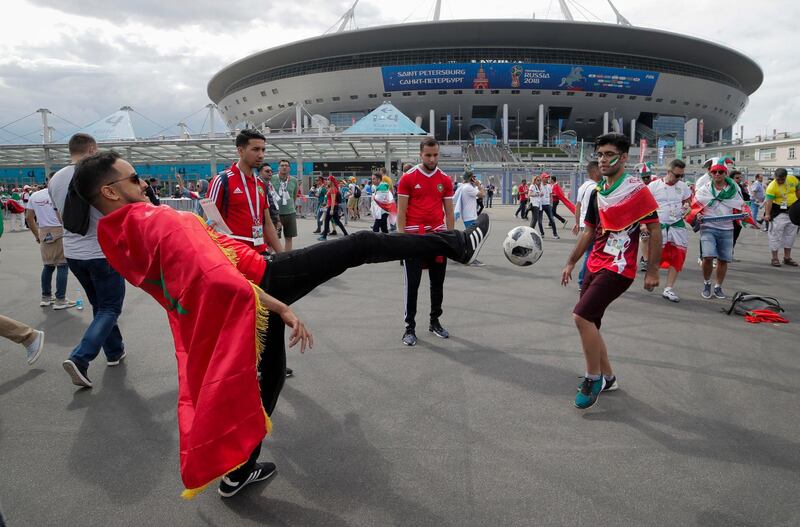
[651, 281]
[575, 229]
[766, 217]
[299, 332]
[566, 274]
[37, 239]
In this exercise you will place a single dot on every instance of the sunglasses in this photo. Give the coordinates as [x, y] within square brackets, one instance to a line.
[718, 172]
[134, 178]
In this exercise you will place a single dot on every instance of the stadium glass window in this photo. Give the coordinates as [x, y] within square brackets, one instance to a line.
[495, 92]
[530, 119]
[697, 105]
[602, 95]
[659, 100]
[261, 110]
[237, 101]
[291, 104]
[648, 99]
[280, 105]
[686, 103]
[591, 121]
[705, 106]
[319, 100]
[673, 101]
[269, 108]
[307, 101]
[226, 108]
[422, 93]
[535, 92]
[442, 92]
[406, 94]
[274, 91]
[263, 93]
[443, 118]
[620, 96]
[252, 112]
[579, 120]
[373, 95]
[354, 97]
[588, 94]
[570, 94]
[335, 98]
[387, 94]
[478, 92]
[458, 118]
[514, 92]
[484, 112]
[244, 99]
[555, 92]
[632, 97]
[457, 92]
[729, 97]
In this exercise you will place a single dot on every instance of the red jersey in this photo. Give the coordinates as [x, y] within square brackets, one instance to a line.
[523, 191]
[426, 195]
[239, 215]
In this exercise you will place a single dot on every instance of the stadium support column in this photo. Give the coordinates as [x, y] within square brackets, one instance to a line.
[45, 140]
[387, 158]
[505, 124]
[213, 161]
[605, 122]
[633, 131]
[432, 130]
[298, 119]
[299, 161]
[541, 124]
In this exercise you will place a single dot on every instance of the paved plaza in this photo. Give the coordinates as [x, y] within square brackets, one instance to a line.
[477, 430]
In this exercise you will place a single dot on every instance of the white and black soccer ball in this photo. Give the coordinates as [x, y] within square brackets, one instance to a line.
[523, 246]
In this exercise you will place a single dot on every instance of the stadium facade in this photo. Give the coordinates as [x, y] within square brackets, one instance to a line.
[527, 79]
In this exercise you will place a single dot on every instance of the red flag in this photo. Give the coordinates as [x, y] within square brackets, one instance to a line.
[216, 322]
[559, 195]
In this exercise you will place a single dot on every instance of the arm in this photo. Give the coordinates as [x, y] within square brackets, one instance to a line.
[271, 234]
[31, 217]
[402, 208]
[584, 240]
[299, 332]
[654, 260]
[577, 226]
[449, 215]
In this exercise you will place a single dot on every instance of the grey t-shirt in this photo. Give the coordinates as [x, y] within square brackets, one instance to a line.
[76, 246]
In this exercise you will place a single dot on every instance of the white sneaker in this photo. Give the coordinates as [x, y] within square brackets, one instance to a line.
[670, 295]
[46, 301]
[63, 304]
[35, 348]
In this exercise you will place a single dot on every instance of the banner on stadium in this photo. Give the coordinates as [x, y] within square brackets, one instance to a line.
[518, 75]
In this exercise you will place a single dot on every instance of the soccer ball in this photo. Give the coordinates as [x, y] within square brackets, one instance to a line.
[523, 246]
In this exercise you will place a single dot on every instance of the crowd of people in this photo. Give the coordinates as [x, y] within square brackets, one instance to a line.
[228, 292]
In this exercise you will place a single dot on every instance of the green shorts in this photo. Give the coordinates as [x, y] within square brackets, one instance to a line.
[289, 222]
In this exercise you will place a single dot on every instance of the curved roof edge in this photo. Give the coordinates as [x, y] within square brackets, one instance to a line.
[624, 40]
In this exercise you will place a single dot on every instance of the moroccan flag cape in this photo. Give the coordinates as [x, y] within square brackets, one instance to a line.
[216, 321]
[559, 195]
[624, 203]
[707, 195]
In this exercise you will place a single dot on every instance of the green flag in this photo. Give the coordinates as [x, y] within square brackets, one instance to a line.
[679, 149]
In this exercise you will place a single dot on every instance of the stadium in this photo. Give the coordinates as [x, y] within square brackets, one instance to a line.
[552, 80]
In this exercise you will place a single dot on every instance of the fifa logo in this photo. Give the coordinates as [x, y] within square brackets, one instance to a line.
[516, 73]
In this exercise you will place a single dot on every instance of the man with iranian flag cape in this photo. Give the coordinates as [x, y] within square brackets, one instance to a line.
[218, 293]
[383, 208]
[617, 207]
[673, 197]
[715, 206]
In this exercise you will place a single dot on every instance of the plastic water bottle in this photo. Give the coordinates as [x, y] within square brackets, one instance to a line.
[78, 300]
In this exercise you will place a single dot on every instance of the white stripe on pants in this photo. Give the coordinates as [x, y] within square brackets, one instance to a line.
[782, 232]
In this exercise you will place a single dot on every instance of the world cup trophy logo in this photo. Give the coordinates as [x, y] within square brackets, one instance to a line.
[516, 73]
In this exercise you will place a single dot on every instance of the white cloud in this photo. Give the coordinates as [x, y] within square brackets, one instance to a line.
[84, 59]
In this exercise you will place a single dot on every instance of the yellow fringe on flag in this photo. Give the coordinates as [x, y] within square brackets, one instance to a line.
[229, 253]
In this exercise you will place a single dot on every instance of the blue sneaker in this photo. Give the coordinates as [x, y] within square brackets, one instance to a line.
[706, 293]
[587, 395]
[718, 293]
[321, 239]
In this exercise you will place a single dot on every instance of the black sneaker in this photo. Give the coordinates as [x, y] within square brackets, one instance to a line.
[410, 338]
[611, 385]
[77, 373]
[476, 236]
[260, 472]
[289, 372]
[437, 329]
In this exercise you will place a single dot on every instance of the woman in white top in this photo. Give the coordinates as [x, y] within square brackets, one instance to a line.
[535, 203]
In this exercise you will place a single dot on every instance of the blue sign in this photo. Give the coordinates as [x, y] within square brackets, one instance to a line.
[505, 76]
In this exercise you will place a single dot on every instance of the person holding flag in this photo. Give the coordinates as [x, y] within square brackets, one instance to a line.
[616, 209]
[715, 206]
[673, 197]
[383, 208]
[558, 196]
[218, 293]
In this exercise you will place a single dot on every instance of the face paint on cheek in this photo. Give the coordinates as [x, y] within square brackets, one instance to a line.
[613, 161]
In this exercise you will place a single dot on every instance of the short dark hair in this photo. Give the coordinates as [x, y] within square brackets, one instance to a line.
[620, 141]
[92, 172]
[265, 165]
[780, 172]
[552, 177]
[735, 173]
[80, 143]
[153, 180]
[246, 135]
[284, 161]
[428, 141]
[592, 165]
[676, 163]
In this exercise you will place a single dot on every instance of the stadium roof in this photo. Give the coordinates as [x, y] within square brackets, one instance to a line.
[647, 44]
[385, 120]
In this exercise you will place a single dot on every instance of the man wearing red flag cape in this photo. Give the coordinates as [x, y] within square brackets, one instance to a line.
[218, 292]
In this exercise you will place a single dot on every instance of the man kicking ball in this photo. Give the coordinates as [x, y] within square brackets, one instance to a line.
[219, 295]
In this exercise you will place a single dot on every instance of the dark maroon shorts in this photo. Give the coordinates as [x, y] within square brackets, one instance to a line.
[598, 291]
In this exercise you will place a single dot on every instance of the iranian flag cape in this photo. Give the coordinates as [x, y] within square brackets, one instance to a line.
[217, 323]
[708, 195]
[624, 203]
[559, 195]
[383, 201]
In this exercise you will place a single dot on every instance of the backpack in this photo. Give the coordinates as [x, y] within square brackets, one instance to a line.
[743, 303]
[357, 192]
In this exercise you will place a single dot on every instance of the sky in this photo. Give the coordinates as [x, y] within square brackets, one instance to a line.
[84, 59]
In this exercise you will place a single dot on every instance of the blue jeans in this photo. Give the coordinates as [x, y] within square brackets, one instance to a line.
[61, 281]
[105, 290]
[469, 223]
[754, 208]
[549, 211]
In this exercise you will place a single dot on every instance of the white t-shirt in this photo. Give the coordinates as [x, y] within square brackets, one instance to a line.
[41, 205]
[76, 246]
[584, 194]
[720, 209]
[702, 180]
[535, 196]
[670, 199]
[469, 202]
[547, 192]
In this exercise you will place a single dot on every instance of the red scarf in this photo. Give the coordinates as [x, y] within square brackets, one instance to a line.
[216, 321]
